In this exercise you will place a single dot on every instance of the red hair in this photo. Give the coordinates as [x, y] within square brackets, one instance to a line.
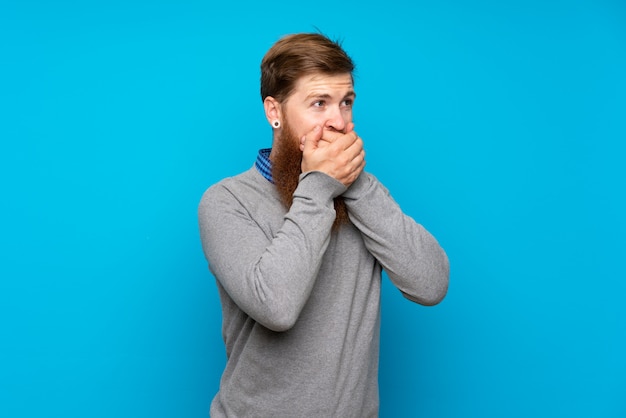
[294, 56]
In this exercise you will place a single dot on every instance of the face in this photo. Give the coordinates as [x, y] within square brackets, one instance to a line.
[319, 100]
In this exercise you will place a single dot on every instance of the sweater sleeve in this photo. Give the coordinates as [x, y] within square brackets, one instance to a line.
[269, 278]
[411, 256]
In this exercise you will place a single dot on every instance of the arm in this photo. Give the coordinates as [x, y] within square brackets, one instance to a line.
[410, 255]
[269, 278]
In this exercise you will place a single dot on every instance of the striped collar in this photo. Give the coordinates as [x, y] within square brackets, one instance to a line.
[263, 164]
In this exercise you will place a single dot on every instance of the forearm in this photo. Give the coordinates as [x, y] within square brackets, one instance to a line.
[411, 256]
[270, 277]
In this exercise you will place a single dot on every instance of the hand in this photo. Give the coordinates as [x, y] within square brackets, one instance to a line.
[340, 155]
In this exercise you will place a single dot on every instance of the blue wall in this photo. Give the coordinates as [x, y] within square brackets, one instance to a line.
[498, 125]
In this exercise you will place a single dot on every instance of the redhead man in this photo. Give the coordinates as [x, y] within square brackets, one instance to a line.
[297, 245]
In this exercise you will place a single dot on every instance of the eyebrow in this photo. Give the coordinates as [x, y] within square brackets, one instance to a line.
[351, 94]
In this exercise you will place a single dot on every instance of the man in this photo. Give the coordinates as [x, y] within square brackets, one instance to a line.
[297, 244]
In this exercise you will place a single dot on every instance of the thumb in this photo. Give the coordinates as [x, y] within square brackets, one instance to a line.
[310, 140]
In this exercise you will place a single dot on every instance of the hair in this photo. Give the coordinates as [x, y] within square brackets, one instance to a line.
[294, 56]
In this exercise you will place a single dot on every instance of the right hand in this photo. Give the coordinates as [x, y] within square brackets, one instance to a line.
[340, 155]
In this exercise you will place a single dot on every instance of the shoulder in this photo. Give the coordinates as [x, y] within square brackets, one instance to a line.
[230, 184]
[240, 190]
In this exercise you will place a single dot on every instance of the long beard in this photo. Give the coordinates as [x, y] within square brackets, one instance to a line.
[286, 170]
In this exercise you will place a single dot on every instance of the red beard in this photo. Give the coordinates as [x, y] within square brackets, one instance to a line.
[286, 170]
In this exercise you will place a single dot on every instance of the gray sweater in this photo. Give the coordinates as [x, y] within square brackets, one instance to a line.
[301, 303]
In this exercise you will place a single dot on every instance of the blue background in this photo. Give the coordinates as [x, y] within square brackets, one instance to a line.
[500, 126]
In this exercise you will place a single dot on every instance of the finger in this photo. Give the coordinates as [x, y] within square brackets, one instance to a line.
[342, 141]
[358, 158]
[359, 164]
[311, 139]
[355, 172]
[331, 136]
[355, 147]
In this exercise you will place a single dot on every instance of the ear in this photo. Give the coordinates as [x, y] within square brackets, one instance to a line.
[272, 110]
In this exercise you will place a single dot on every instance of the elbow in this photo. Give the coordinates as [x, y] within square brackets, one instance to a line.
[434, 286]
[439, 282]
[275, 307]
[435, 295]
[430, 295]
[279, 324]
[279, 317]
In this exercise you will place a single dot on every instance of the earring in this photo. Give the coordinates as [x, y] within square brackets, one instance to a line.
[276, 124]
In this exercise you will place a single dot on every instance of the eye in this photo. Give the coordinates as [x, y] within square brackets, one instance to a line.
[319, 103]
[347, 103]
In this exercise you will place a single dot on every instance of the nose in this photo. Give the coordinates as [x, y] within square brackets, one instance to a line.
[336, 120]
